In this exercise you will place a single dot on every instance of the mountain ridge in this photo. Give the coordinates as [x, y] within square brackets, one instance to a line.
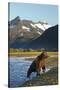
[18, 28]
[23, 33]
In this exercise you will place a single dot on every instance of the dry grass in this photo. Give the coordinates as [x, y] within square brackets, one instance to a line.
[22, 54]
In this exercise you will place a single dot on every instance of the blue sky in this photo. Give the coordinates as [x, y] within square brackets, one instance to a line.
[35, 12]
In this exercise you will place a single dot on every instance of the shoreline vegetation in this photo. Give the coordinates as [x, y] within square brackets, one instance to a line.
[28, 52]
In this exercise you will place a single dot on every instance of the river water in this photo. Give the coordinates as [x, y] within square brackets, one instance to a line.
[18, 67]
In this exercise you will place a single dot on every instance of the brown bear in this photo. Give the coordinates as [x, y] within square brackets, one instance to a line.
[37, 64]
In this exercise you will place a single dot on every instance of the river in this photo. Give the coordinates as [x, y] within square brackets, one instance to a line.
[18, 67]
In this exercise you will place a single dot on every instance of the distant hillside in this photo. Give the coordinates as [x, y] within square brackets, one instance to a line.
[48, 40]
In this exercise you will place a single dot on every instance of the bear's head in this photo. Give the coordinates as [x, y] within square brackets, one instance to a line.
[43, 55]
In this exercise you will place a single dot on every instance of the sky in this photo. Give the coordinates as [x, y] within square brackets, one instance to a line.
[34, 12]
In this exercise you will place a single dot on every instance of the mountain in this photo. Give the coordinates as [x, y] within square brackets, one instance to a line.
[36, 35]
[48, 40]
[24, 31]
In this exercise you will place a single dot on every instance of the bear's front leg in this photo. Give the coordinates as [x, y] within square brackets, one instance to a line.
[38, 72]
[43, 68]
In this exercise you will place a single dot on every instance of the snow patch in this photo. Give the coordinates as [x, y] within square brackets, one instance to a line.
[46, 26]
[40, 26]
[33, 25]
[24, 27]
[38, 32]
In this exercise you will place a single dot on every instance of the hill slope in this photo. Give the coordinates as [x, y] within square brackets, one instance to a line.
[48, 40]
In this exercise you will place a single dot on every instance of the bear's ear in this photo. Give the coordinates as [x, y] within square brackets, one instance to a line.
[44, 53]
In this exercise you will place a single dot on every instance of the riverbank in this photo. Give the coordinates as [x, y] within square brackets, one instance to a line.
[49, 78]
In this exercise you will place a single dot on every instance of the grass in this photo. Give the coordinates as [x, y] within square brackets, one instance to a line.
[51, 62]
[31, 53]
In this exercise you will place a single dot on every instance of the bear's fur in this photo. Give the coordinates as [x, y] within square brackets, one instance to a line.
[37, 64]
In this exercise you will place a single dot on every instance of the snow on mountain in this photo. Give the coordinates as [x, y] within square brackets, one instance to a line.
[33, 25]
[24, 27]
[38, 32]
[41, 26]
[46, 26]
